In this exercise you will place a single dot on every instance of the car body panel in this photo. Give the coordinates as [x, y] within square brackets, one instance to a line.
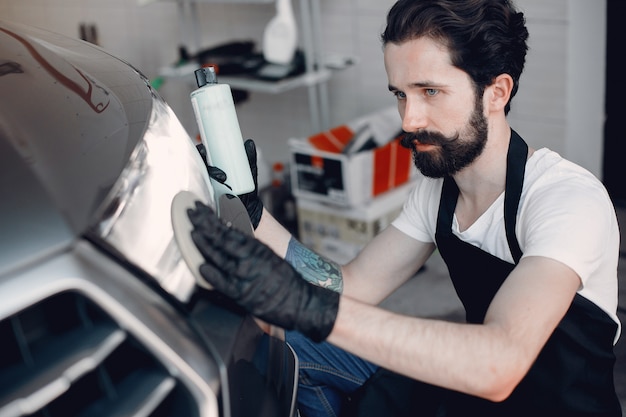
[99, 312]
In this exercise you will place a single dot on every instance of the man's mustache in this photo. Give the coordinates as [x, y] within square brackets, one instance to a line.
[426, 138]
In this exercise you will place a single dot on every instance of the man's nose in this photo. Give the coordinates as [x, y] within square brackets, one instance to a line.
[414, 117]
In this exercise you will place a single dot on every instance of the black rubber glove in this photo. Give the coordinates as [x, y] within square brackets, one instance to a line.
[250, 273]
[251, 200]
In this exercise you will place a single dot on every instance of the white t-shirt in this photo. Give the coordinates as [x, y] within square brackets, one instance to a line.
[565, 214]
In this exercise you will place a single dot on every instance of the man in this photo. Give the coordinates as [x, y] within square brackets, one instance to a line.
[530, 240]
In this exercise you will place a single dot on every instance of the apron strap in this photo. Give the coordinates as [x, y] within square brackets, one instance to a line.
[516, 166]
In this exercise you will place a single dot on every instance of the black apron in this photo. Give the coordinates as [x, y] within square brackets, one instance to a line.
[573, 374]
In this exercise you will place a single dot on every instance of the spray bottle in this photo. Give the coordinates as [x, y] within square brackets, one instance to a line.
[280, 37]
[214, 109]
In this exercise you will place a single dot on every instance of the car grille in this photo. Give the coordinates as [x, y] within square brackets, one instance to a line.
[65, 356]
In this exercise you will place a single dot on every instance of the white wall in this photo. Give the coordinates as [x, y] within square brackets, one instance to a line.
[586, 83]
[560, 103]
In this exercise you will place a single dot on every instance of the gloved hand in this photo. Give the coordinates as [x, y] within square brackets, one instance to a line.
[251, 200]
[250, 273]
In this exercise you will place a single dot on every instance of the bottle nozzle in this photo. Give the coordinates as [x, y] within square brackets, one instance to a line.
[205, 75]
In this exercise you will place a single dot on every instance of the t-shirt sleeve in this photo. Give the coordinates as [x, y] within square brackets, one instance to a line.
[571, 222]
[419, 214]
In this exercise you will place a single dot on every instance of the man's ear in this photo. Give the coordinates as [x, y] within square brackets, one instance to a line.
[499, 93]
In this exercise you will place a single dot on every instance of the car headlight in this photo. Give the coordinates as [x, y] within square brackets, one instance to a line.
[135, 220]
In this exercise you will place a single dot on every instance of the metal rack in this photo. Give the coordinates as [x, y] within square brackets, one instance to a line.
[314, 78]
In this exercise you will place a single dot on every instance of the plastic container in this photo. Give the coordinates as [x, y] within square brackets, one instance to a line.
[280, 37]
[215, 114]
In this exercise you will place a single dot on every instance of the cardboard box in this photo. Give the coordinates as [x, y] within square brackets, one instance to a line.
[339, 233]
[351, 164]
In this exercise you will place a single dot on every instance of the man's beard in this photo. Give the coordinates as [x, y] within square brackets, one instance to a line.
[452, 154]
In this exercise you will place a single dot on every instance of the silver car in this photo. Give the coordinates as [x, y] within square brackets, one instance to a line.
[100, 312]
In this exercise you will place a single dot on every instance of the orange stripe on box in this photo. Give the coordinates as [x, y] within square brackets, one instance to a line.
[392, 167]
[404, 164]
[333, 140]
[381, 168]
[322, 142]
[343, 134]
[317, 161]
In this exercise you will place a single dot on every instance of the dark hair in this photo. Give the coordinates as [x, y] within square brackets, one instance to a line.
[485, 38]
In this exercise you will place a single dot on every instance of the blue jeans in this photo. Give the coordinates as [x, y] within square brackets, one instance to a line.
[327, 375]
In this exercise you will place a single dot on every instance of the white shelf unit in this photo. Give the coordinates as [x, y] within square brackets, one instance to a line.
[144, 2]
[314, 78]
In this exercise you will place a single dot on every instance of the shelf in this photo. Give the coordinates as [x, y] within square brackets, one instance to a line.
[315, 77]
[251, 84]
[144, 2]
[277, 87]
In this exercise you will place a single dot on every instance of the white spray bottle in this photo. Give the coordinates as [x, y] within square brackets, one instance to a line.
[281, 35]
[214, 109]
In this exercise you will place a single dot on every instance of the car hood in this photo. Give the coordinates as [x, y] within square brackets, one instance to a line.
[71, 115]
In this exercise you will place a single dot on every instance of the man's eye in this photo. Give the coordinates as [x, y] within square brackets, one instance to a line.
[399, 95]
[430, 92]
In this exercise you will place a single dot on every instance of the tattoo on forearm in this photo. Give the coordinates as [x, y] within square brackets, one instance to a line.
[313, 267]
